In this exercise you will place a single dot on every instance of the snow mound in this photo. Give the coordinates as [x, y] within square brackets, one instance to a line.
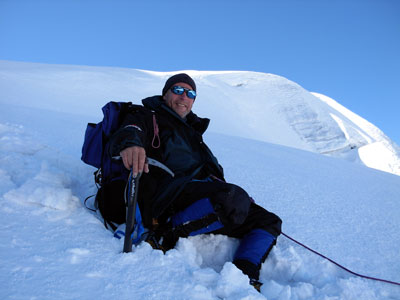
[46, 189]
[31, 184]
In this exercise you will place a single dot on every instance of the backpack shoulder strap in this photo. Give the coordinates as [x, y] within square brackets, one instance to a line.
[131, 108]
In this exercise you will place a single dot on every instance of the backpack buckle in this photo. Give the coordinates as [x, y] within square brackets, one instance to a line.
[98, 178]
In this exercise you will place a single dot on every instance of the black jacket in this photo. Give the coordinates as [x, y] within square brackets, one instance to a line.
[181, 149]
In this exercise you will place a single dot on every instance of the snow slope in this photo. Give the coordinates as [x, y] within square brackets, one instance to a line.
[259, 106]
[51, 247]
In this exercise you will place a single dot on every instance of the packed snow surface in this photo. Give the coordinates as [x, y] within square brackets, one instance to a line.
[52, 247]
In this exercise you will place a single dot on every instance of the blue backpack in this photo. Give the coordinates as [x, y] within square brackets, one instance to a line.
[111, 176]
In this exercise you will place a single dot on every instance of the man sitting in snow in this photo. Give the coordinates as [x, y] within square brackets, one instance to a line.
[197, 199]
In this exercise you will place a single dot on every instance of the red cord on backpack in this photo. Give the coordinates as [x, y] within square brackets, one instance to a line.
[156, 135]
[337, 264]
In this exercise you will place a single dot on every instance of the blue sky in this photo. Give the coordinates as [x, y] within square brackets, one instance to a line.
[348, 50]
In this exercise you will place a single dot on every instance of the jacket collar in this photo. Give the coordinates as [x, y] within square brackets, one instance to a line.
[157, 103]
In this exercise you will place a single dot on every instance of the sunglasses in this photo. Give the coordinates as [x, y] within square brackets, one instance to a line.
[178, 90]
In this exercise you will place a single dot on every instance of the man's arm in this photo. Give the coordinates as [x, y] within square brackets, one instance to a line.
[130, 142]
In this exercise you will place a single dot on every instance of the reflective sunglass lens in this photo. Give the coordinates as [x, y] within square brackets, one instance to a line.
[191, 94]
[178, 90]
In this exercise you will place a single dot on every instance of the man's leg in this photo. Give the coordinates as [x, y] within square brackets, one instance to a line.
[220, 213]
[258, 235]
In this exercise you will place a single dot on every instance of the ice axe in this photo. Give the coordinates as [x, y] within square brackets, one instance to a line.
[133, 189]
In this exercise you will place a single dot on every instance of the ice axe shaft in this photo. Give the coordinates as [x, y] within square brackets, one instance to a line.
[133, 183]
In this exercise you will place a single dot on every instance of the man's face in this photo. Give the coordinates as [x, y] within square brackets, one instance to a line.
[181, 104]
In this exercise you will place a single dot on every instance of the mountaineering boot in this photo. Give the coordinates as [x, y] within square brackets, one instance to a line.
[256, 284]
[154, 239]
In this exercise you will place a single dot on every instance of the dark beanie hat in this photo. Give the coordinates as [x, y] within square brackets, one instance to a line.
[182, 77]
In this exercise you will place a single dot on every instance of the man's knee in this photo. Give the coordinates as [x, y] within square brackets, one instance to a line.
[232, 203]
[264, 219]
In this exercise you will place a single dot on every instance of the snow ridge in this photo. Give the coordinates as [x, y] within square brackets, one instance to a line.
[260, 106]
